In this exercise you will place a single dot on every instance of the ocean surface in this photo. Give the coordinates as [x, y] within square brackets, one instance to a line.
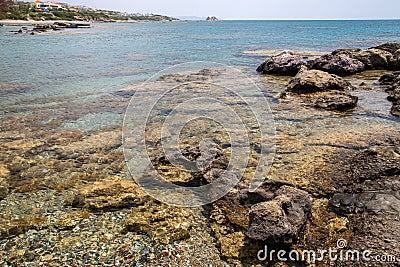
[100, 60]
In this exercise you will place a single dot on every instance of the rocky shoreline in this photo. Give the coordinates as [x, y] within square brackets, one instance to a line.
[319, 79]
[66, 197]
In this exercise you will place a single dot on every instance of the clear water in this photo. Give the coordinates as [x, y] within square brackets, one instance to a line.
[61, 73]
[111, 56]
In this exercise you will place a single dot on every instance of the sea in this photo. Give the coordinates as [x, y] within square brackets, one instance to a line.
[107, 57]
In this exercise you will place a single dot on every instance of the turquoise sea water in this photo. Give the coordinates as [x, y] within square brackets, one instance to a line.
[97, 61]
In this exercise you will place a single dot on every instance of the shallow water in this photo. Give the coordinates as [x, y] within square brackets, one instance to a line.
[110, 56]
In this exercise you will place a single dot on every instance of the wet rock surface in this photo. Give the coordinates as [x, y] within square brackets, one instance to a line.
[286, 63]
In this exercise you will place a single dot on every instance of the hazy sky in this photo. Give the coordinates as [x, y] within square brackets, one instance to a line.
[256, 9]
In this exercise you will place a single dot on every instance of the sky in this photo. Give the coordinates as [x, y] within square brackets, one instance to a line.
[256, 9]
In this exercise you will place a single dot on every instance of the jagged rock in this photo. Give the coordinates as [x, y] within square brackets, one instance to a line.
[280, 220]
[336, 100]
[340, 64]
[374, 59]
[389, 47]
[286, 63]
[311, 81]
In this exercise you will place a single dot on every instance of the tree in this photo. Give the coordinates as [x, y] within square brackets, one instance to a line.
[5, 5]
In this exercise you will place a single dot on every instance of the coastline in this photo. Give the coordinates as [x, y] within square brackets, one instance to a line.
[39, 22]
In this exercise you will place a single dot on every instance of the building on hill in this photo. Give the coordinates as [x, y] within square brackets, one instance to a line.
[48, 5]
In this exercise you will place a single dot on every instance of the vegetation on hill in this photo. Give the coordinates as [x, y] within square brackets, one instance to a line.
[29, 11]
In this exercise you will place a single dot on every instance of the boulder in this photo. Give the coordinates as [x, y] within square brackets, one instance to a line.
[311, 81]
[285, 63]
[280, 220]
[340, 64]
[374, 59]
[336, 100]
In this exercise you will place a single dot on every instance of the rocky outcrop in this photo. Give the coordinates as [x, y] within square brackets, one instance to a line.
[345, 61]
[286, 63]
[312, 81]
[340, 64]
[392, 84]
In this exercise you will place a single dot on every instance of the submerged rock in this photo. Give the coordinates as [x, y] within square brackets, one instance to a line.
[163, 224]
[286, 63]
[109, 195]
[340, 64]
[312, 81]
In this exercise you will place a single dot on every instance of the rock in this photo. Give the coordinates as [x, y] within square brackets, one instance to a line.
[345, 51]
[389, 47]
[374, 59]
[392, 83]
[210, 160]
[390, 79]
[108, 195]
[311, 81]
[340, 64]
[394, 63]
[339, 101]
[213, 18]
[280, 220]
[285, 63]
[395, 110]
[162, 223]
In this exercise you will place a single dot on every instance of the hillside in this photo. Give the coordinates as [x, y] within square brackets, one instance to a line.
[44, 11]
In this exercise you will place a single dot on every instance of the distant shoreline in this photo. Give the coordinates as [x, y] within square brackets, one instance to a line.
[40, 22]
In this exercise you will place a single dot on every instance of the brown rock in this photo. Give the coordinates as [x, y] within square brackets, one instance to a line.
[281, 220]
[311, 81]
[339, 101]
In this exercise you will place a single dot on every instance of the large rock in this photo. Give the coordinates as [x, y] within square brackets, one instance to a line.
[374, 59]
[336, 100]
[311, 81]
[285, 63]
[340, 64]
[280, 220]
